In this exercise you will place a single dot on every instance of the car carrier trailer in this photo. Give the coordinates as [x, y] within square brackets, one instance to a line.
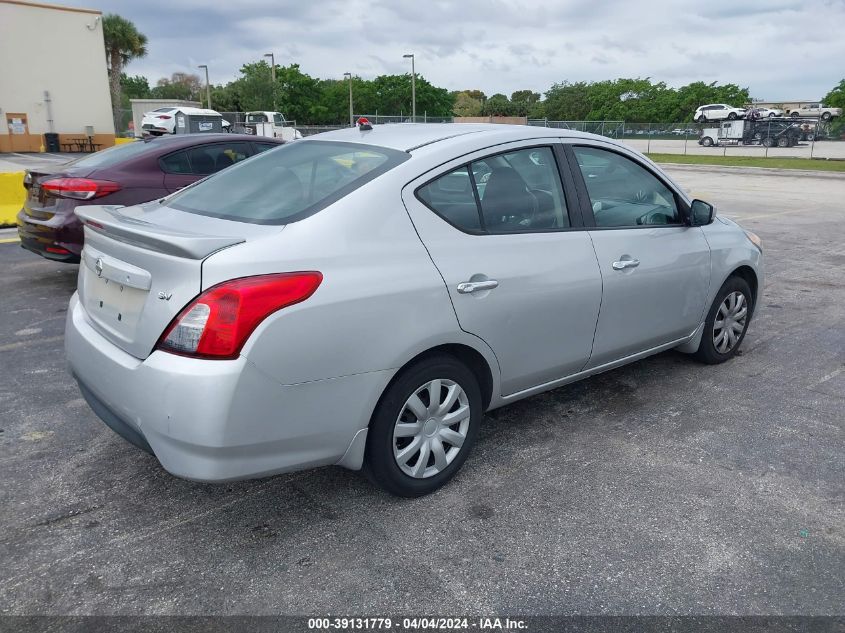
[768, 132]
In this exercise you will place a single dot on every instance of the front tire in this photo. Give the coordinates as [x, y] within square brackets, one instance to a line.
[423, 427]
[726, 323]
[707, 141]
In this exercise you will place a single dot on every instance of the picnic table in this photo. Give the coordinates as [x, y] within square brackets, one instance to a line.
[82, 144]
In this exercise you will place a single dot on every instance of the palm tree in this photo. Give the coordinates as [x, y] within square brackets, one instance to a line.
[123, 44]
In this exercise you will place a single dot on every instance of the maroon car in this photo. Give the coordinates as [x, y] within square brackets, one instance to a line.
[122, 175]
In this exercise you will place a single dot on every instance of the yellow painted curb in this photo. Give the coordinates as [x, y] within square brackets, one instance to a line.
[12, 196]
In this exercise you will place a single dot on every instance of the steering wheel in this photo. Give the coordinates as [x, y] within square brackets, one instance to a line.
[655, 216]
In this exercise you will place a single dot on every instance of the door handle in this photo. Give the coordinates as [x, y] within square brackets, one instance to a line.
[467, 287]
[622, 264]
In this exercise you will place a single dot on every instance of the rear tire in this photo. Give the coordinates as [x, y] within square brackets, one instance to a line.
[767, 141]
[726, 323]
[783, 141]
[732, 116]
[408, 427]
[701, 118]
[793, 114]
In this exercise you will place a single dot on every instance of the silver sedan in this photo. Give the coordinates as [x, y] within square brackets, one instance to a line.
[362, 297]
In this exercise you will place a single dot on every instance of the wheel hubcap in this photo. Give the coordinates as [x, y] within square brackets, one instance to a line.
[431, 428]
[730, 322]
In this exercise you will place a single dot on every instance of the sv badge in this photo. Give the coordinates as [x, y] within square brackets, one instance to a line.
[165, 296]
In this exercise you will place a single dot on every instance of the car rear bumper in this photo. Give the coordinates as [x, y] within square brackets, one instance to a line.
[218, 420]
[54, 238]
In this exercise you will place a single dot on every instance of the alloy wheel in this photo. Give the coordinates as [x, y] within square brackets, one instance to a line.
[730, 322]
[431, 428]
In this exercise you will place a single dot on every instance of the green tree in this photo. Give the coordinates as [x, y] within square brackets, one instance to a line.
[498, 105]
[836, 97]
[180, 86]
[466, 105]
[136, 87]
[123, 44]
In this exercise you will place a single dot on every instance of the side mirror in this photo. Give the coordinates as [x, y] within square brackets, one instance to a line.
[701, 213]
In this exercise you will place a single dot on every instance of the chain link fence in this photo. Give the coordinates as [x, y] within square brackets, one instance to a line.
[778, 137]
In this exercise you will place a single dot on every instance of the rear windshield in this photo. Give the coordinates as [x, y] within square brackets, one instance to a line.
[288, 183]
[111, 156]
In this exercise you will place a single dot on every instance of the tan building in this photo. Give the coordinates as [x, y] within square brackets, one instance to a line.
[52, 76]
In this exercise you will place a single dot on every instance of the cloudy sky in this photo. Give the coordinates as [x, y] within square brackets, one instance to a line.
[780, 49]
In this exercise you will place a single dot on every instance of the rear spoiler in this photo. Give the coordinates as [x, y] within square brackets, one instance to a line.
[111, 221]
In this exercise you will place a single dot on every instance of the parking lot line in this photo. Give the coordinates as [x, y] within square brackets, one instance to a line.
[10, 240]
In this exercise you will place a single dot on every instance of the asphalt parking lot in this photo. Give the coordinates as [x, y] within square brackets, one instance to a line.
[665, 487]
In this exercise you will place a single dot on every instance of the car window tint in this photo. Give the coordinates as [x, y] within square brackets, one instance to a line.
[289, 183]
[624, 193]
[451, 197]
[176, 163]
[209, 159]
[263, 147]
[520, 191]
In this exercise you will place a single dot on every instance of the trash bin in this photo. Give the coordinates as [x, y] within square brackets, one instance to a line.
[51, 142]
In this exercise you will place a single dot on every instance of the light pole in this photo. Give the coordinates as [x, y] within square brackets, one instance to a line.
[413, 88]
[207, 87]
[272, 76]
[351, 116]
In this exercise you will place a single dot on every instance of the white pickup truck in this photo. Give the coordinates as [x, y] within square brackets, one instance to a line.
[263, 123]
[815, 110]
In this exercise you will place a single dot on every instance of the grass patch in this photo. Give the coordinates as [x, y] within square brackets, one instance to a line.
[751, 161]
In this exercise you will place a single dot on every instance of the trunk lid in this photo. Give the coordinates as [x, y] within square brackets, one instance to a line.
[38, 204]
[142, 264]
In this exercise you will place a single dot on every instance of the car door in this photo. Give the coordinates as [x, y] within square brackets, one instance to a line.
[186, 166]
[655, 269]
[519, 268]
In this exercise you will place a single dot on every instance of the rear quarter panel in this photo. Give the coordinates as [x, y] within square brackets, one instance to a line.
[381, 302]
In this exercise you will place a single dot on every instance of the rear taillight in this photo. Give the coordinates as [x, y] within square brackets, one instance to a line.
[218, 322]
[164, 116]
[79, 188]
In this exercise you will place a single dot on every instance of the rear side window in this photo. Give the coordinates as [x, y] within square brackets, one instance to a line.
[288, 184]
[514, 192]
[209, 159]
[176, 163]
[452, 198]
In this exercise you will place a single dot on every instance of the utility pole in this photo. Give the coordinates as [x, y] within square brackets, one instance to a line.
[207, 87]
[413, 88]
[351, 116]
[272, 76]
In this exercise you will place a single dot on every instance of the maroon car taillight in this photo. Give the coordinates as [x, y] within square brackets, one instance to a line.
[218, 322]
[79, 188]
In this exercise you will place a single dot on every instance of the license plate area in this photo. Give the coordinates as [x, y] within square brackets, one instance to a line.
[113, 305]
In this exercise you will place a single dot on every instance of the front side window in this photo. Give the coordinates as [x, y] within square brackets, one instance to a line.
[278, 120]
[513, 192]
[289, 183]
[624, 193]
